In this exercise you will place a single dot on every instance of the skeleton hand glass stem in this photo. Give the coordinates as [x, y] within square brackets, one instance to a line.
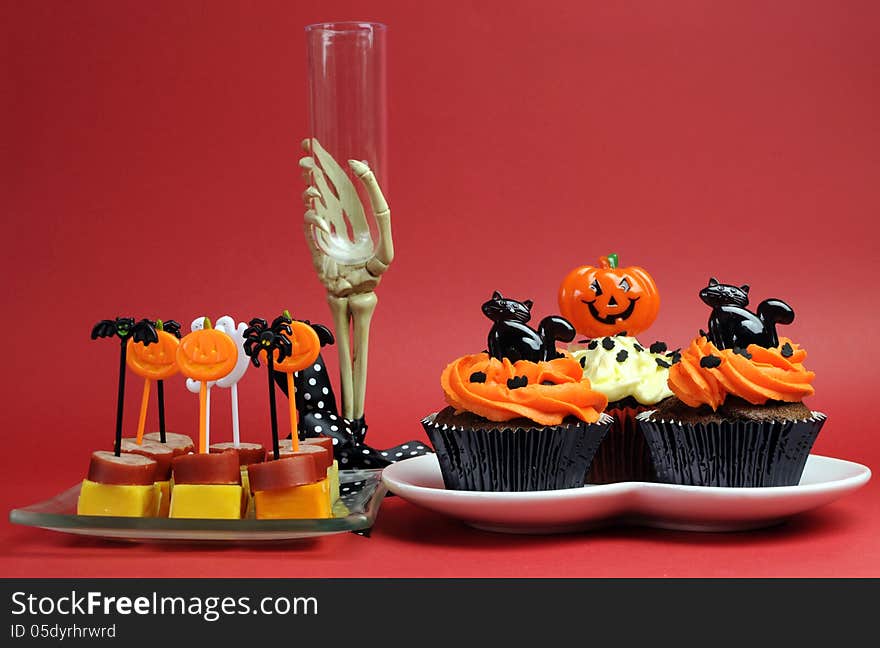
[347, 102]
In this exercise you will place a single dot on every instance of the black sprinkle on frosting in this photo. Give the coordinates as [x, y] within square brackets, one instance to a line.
[710, 362]
[607, 343]
[621, 334]
[621, 355]
[593, 344]
[662, 363]
[478, 377]
[516, 382]
[658, 347]
[786, 350]
[638, 347]
[740, 351]
[583, 361]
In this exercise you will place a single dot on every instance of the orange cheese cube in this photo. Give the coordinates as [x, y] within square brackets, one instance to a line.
[308, 501]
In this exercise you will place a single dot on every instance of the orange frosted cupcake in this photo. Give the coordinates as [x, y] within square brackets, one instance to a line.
[737, 417]
[521, 416]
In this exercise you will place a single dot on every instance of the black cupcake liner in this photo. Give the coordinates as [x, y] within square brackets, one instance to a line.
[624, 454]
[730, 453]
[516, 459]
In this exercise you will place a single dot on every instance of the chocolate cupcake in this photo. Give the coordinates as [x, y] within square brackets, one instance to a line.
[634, 379]
[737, 416]
[609, 304]
[521, 416]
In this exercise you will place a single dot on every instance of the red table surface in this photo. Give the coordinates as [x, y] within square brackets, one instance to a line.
[149, 168]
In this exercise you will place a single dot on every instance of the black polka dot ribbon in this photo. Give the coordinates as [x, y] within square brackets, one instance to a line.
[318, 416]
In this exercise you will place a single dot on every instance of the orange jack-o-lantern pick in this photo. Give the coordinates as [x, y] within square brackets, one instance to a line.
[156, 361]
[609, 300]
[203, 355]
[305, 347]
[207, 354]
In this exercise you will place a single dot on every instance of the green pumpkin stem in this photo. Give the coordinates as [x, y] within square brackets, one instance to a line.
[612, 260]
[207, 323]
[159, 326]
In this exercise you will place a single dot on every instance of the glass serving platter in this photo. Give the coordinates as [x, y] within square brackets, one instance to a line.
[361, 494]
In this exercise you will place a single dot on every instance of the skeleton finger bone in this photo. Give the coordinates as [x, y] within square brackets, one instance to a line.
[326, 193]
[385, 252]
[311, 193]
[317, 221]
[345, 190]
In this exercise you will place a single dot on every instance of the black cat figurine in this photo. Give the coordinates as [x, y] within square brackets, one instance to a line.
[511, 338]
[732, 325]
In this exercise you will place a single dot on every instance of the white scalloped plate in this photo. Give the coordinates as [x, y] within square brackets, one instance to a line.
[691, 508]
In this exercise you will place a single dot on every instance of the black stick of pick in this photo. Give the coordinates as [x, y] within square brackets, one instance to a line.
[160, 393]
[124, 328]
[273, 413]
[172, 327]
[120, 398]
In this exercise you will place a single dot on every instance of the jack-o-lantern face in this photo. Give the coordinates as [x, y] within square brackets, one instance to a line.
[156, 361]
[207, 354]
[609, 300]
[305, 348]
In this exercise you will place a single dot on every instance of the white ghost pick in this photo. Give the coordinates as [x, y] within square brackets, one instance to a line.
[230, 380]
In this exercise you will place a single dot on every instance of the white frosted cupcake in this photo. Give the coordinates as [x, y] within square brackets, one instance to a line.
[634, 379]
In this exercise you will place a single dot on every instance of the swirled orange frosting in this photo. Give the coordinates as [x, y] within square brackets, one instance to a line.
[555, 389]
[770, 374]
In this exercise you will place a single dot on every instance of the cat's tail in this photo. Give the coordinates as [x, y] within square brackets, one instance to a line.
[773, 312]
[554, 329]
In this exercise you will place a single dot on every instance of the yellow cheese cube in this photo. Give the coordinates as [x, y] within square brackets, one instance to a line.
[118, 500]
[165, 499]
[309, 501]
[333, 478]
[214, 501]
[246, 492]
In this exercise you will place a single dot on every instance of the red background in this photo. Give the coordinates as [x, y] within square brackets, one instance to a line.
[149, 167]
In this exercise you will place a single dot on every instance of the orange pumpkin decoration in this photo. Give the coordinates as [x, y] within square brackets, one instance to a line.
[156, 361]
[208, 354]
[609, 300]
[306, 347]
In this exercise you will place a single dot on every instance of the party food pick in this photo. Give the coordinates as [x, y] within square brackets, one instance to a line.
[305, 347]
[125, 328]
[272, 343]
[195, 386]
[154, 362]
[608, 300]
[228, 326]
[204, 355]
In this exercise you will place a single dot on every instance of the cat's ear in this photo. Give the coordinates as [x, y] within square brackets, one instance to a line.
[745, 288]
[713, 281]
[528, 304]
[497, 295]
